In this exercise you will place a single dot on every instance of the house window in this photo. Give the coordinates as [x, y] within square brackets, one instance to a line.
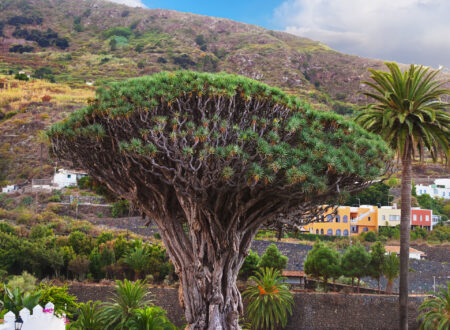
[369, 218]
[338, 232]
[345, 219]
[415, 217]
[365, 229]
[354, 229]
[317, 231]
[321, 231]
[345, 232]
[384, 217]
[330, 232]
[68, 176]
[427, 218]
[420, 217]
[329, 218]
[338, 218]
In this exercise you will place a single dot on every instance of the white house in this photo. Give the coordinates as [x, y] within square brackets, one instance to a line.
[413, 253]
[66, 178]
[440, 188]
[10, 188]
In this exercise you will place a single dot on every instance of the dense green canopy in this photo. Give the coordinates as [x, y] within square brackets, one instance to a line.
[270, 139]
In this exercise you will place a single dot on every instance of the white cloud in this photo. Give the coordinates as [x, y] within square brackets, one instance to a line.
[130, 3]
[408, 31]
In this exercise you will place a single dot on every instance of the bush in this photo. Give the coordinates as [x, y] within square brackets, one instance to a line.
[44, 72]
[5, 227]
[118, 31]
[324, 262]
[120, 208]
[25, 282]
[272, 258]
[62, 43]
[80, 243]
[40, 231]
[250, 265]
[370, 237]
[79, 267]
[21, 49]
[21, 76]
[64, 302]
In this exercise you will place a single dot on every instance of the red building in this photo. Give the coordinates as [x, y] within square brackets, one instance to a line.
[421, 218]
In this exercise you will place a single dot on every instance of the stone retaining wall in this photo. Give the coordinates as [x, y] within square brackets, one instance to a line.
[312, 311]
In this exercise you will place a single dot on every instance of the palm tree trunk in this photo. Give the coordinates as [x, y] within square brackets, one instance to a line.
[389, 286]
[378, 280]
[405, 225]
[359, 281]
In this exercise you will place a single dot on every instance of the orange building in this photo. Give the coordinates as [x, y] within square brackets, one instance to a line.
[348, 221]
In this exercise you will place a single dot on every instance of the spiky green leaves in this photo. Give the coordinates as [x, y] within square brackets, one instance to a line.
[409, 110]
[223, 128]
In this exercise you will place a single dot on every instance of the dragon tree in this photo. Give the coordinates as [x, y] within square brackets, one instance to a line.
[210, 158]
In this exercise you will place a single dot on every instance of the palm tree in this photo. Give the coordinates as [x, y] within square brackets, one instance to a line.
[138, 258]
[410, 115]
[128, 298]
[89, 317]
[436, 313]
[269, 300]
[151, 318]
[391, 270]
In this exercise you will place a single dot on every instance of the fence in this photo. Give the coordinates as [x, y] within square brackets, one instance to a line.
[83, 199]
[40, 319]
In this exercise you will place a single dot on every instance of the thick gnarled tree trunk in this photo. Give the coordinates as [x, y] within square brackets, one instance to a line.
[405, 224]
[207, 259]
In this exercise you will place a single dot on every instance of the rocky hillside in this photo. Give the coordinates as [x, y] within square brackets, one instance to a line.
[78, 45]
[95, 40]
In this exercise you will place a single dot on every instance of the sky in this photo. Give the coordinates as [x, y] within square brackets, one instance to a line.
[406, 31]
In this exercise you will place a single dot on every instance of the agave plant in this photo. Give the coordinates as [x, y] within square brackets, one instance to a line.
[128, 298]
[269, 300]
[15, 300]
[436, 311]
[89, 317]
[151, 318]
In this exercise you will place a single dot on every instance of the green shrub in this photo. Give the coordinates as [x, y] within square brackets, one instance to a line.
[151, 318]
[59, 296]
[250, 265]
[40, 231]
[80, 243]
[26, 201]
[370, 237]
[118, 31]
[54, 198]
[120, 208]
[5, 227]
[104, 237]
[272, 258]
[25, 282]
[21, 76]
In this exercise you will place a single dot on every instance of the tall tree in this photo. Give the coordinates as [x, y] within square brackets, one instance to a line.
[355, 262]
[210, 158]
[377, 257]
[409, 114]
[323, 261]
[391, 269]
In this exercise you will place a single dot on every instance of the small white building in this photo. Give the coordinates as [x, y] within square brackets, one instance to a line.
[66, 178]
[413, 253]
[10, 189]
[440, 188]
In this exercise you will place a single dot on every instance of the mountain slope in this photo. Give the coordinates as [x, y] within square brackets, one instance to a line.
[95, 41]
[152, 40]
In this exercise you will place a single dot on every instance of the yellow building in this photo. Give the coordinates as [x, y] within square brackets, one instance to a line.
[388, 216]
[348, 221]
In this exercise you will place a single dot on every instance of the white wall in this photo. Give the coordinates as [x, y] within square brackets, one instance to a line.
[40, 319]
